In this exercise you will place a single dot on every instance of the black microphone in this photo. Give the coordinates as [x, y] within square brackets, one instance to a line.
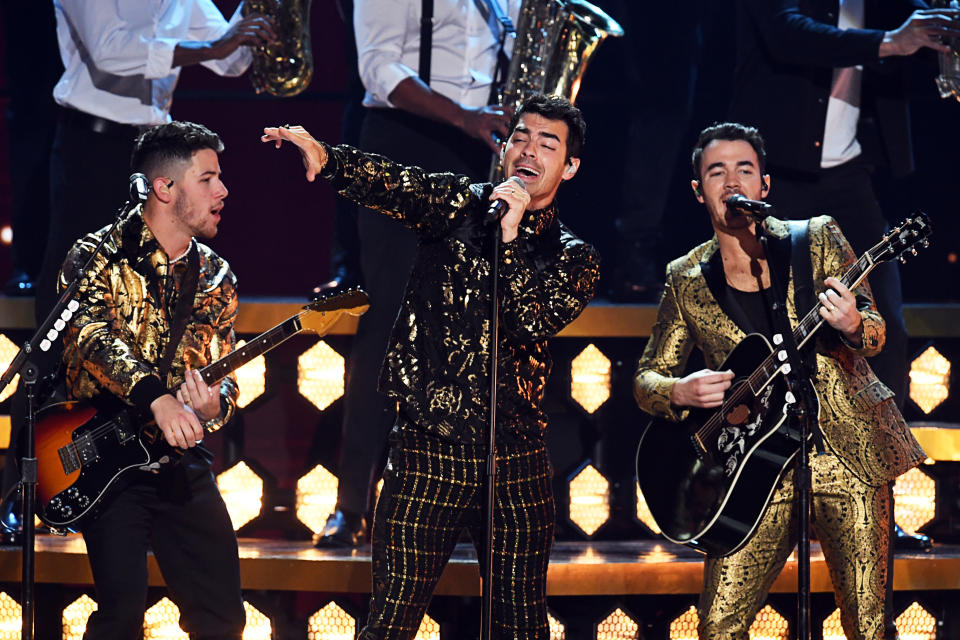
[500, 207]
[756, 208]
[139, 188]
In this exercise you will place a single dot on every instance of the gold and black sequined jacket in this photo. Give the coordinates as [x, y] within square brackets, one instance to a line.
[117, 337]
[858, 416]
[437, 361]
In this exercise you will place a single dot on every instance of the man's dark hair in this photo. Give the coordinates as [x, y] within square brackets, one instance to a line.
[555, 108]
[728, 131]
[156, 149]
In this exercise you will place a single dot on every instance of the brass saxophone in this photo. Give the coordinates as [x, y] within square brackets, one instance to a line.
[948, 82]
[555, 40]
[285, 67]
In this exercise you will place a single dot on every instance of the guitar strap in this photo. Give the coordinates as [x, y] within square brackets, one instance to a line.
[185, 299]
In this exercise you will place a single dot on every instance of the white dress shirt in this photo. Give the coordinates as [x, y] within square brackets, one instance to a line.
[464, 52]
[840, 144]
[118, 54]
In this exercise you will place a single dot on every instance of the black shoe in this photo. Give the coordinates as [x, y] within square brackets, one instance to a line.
[19, 284]
[342, 530]
[903, 541]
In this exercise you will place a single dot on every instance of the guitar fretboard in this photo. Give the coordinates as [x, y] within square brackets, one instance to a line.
[257, 347]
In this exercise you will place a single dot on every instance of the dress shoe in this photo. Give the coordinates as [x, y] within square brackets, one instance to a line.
[19, 284]
[342, 530]
[903, 541]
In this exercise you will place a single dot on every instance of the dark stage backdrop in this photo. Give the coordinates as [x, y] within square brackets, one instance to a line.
[276, 226]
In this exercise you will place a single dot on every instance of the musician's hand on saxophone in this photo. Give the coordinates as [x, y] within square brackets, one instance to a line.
[253, 30]
[312, 152]
[488, 124]
[924, 28]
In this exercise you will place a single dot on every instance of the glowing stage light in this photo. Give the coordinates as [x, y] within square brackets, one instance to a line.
[242, 491]
[929, 379]
[258, 625]
[316, 497]
[643, 513]
[769, 625]
[251, 378]
[75, 617]
[331, 623]
[557, 630]
[320, 375]
[589, 500]
[618, 626]
[429, 629]
[916, 623]
[832, 629]
[11, 618]
[684, 626]
[161, 622]
[590, 378]
[8, 351]
[6, 235]
[914, 500]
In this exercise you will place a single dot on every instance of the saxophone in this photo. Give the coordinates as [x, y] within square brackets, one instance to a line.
[555, 40]
[285, 67]
[948, 82]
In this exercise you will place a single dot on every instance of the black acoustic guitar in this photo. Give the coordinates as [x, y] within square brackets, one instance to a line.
[708, 479]
[82, 452]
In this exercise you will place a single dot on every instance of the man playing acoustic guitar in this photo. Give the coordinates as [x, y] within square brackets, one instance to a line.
[133, 339]
[714, 296]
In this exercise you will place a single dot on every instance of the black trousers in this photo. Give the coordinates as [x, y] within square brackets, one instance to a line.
[180, 515]
[846, 193]
[387, 249]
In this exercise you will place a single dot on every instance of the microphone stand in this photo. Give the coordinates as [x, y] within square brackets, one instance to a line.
[486, 567]
[43, 339]
[801, 405]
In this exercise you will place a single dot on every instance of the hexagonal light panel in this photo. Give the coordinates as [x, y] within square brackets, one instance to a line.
[8, 351]
[589, 500]
[429, 629]
[832, 629]
[75, 616]
[242, 491]
[11, 616]
[643, 513]
[617, 626]
[769, 625]
[258, 625]
[684, 626]
[331, 623]
[251, 378]
[590, 378]
[316, 497]
[929, 379]
[161, 622]
[557, 630]
[320, 375]
[914, 500]
[916, 623]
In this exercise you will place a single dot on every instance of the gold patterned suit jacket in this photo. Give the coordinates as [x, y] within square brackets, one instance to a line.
[859, 420]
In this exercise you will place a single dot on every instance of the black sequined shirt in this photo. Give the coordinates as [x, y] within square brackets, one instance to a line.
[437, 360]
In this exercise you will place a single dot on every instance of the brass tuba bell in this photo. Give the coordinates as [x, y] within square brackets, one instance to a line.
[285, 67]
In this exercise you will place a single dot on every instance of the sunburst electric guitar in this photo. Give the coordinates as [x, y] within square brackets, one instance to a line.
[82, 452]
[707, 479]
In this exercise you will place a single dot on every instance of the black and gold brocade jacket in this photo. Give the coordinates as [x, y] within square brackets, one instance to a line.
[858, 416]
[437, 361]
[117, 337]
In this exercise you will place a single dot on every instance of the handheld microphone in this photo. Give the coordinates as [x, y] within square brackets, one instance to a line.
[756, 208]
[139, 187]
[500, 207]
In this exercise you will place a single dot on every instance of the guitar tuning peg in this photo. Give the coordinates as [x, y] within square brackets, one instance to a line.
[73, 305]
[913, 251]
[903, 259]
[926, 243]
[45, 345]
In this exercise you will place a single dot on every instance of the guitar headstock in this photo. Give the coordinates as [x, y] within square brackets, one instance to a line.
[904, 239]
[321, 314]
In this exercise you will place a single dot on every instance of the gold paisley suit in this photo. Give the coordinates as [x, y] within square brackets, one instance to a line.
[867, 441]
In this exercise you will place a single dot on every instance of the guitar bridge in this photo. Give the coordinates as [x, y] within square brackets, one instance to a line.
[69, 459]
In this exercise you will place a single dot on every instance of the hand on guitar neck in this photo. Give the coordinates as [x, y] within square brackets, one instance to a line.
[839, 310]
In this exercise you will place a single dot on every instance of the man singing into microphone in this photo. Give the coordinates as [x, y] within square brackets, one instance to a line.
[437, 364]
[157, 305]
[713, 297]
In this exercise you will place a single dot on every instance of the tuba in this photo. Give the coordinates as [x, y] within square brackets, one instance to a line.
[555, 39]
[948, 82]
[285, 67]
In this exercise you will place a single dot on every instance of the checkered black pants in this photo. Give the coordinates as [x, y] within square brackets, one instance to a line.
[433, 489]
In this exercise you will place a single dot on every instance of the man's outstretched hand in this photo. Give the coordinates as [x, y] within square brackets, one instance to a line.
[312, 152]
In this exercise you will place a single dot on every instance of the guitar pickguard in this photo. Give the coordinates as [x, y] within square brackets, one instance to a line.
[740, 427]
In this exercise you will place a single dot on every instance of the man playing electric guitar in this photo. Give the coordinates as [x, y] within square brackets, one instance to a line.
[714, 296]
[133, 339]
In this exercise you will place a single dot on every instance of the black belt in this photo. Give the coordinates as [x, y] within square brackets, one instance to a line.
[82, 120]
